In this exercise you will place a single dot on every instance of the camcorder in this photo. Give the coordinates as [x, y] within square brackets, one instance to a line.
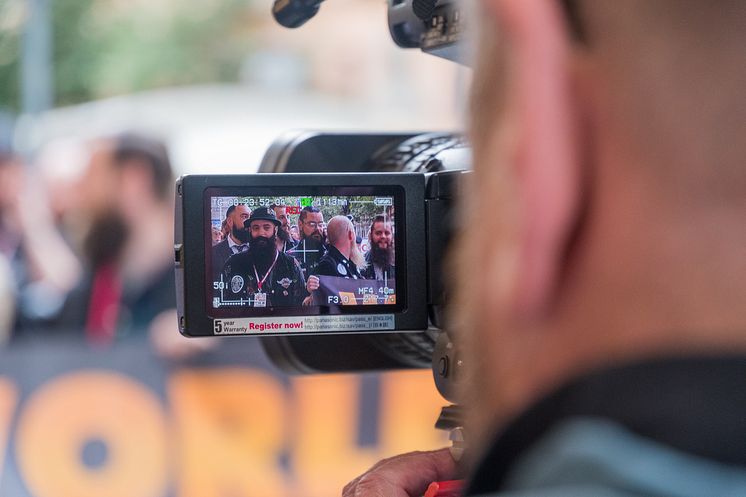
[335, 259]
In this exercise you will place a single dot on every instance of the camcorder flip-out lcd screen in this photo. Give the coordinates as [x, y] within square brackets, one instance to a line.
[298, 254]
[273, 245]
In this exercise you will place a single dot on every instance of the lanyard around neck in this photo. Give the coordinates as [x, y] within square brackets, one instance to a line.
[261, 282]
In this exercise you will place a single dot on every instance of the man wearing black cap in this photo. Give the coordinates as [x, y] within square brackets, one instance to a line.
[264, 276]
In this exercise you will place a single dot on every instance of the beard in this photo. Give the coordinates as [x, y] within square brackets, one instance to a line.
[283, 235]
[357, 257]
[241, 234]
[105, 241]
[314, 237]
[263, 248]
[382, 257]
[312, 243]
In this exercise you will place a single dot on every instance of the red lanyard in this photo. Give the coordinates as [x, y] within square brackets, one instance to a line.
[260, 283]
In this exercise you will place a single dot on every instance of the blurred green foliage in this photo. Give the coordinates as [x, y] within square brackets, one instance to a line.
[75, 56]
[111, 47]
[10, 48]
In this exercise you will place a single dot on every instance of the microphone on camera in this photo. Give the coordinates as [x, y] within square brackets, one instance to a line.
[294, 13]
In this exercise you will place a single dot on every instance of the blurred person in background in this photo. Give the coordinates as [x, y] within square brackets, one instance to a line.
[605, 334]
[11, 184]
[39, 266]
[126, 197]
[7, 300]
[217, 236]
[358, 238]
[11, 181]
[224, 229]
[60, 164]
[284, 241]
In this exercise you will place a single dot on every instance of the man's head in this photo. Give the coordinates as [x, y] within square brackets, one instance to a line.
[281, 212]
[263, 225]
[217, 236]
[381, 242]
[146, 157]
[128, 184]
[341, 234]
[311, 224]
[606, 144]
[235, 217]
[380, 234]
[129, 170]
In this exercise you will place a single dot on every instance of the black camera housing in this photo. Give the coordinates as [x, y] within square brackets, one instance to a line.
[425, 167]
[198, 318]
[442, 158]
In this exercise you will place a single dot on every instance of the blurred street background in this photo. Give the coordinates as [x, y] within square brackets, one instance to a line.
[103, 103]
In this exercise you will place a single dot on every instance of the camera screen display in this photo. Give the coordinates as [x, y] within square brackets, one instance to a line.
[325, 251]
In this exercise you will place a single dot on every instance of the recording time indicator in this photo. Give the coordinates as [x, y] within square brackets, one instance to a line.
[296, 204]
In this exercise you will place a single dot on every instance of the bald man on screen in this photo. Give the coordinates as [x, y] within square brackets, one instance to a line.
[344, 258]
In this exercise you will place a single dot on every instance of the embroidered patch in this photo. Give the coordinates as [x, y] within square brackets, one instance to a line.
[236, 284]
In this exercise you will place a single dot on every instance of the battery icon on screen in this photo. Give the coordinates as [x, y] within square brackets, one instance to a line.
[306, 202]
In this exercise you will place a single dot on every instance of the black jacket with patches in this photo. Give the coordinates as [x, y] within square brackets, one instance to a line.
[335, 264]
[285, 286]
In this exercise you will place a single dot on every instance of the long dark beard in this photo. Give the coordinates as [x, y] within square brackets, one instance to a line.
[382, 257]
[313, 244]
[241, 234]
[263, 250]
[312, 239]
[283, 235]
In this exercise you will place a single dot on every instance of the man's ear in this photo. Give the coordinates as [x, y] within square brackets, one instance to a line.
[543, 113]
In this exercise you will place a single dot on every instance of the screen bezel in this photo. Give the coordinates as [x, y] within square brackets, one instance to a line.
[194, 304]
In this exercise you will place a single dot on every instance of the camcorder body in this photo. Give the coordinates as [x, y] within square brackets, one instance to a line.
[334, 252]
[352, 322]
